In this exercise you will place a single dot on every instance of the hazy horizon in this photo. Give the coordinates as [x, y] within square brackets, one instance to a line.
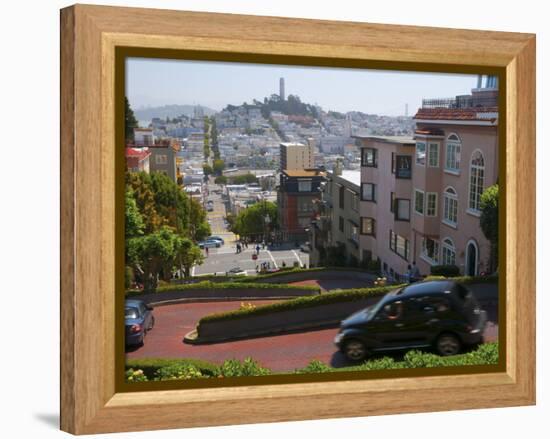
[156, 82]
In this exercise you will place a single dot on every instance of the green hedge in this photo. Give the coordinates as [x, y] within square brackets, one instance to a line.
[149, 366]
[285, 271]
[485, 354]
[207, 285]
[152, 369]
[303, 302]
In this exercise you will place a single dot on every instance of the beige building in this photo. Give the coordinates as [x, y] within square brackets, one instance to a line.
[420, 197]
[335, 231]
[297, 156]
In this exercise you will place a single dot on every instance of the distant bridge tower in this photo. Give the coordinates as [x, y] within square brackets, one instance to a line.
[282, 89]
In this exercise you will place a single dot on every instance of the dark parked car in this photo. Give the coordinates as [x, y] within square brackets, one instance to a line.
[444, 315]
[138, 319]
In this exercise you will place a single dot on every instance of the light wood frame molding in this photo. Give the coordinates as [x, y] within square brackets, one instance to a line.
[89, 36]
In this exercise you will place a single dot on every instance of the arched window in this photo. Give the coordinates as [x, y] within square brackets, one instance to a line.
[477, 175]
[450, 207]
[452, 153]
[449, 252]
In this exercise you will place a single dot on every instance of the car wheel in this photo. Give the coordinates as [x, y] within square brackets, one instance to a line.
[355, 350]
[447, 344]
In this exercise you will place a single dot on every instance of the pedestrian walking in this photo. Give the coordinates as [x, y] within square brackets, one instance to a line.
[415, 273]
[258, 249]
[206, 250]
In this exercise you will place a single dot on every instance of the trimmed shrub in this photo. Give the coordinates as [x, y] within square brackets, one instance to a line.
[135, 376]
[178, 372]
[236, 368]
[149, 366]
[315, 366]
[445, 270]
[334, 296]
[208, 285]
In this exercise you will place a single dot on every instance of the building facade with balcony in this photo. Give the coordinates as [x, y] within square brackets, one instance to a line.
[334, 234]
[420, 197]
[297, 194]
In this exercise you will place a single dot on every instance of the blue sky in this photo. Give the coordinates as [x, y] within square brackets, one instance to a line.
[153, 82]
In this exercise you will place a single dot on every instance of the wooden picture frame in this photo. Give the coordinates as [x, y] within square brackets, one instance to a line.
[90, 36]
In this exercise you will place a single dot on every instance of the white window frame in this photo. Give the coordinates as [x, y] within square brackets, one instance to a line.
[449, 198]
[416, 158]
[429, 155]
[424, 254]
[427, 213]
[396, 212]
[161, 159]
[473, 210]
[447, 245]
[416, 192]
[453, 140]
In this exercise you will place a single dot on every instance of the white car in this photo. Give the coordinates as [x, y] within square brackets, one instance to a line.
[210, 244]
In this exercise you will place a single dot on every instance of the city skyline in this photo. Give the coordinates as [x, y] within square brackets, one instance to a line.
[153, 82]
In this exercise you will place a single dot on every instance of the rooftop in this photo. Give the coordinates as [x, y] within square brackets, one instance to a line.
[485, 114]
[287, 144]
[354, 177]
[140, 153]
[403, 140]
[303, 172]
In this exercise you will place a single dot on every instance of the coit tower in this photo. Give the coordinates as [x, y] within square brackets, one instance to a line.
[282, 89]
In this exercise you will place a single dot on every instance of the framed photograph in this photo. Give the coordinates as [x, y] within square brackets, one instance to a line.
[273, 219]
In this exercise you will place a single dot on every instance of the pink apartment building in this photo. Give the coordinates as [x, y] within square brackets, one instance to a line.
[420, 197]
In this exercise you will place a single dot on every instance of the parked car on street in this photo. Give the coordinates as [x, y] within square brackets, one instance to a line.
[442, 314]
[215, 238]
[139, 319]
[237, 271]
[210, 243]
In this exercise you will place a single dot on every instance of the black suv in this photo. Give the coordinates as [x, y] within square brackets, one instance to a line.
[442, 314]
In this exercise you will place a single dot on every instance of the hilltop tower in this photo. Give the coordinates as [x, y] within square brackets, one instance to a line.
[282, 89]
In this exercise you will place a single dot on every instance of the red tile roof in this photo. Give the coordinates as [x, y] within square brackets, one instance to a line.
[139, 153]
[456, 113]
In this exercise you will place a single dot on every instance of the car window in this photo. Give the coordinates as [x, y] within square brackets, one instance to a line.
[131, 313]
[392, 310]
[435, 305]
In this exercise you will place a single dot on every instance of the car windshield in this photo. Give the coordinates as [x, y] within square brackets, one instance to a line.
[372, 310]
[131, 313]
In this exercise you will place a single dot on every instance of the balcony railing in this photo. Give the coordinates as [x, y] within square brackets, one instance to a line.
[460, 102]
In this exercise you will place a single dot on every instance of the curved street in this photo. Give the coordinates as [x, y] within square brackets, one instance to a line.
[280, 353]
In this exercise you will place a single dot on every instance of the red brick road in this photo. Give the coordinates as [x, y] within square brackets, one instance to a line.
[279, 353]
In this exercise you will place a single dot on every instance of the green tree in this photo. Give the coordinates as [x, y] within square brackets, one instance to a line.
[489, 221]
[198, 222]
[218, 166]
[246, 178]
[188, 255]
[221, 179]
[140, 185]
[170, 201]
[207, 169]
[152, 253]
[134, 225]
[130, 121]
[252, 221]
